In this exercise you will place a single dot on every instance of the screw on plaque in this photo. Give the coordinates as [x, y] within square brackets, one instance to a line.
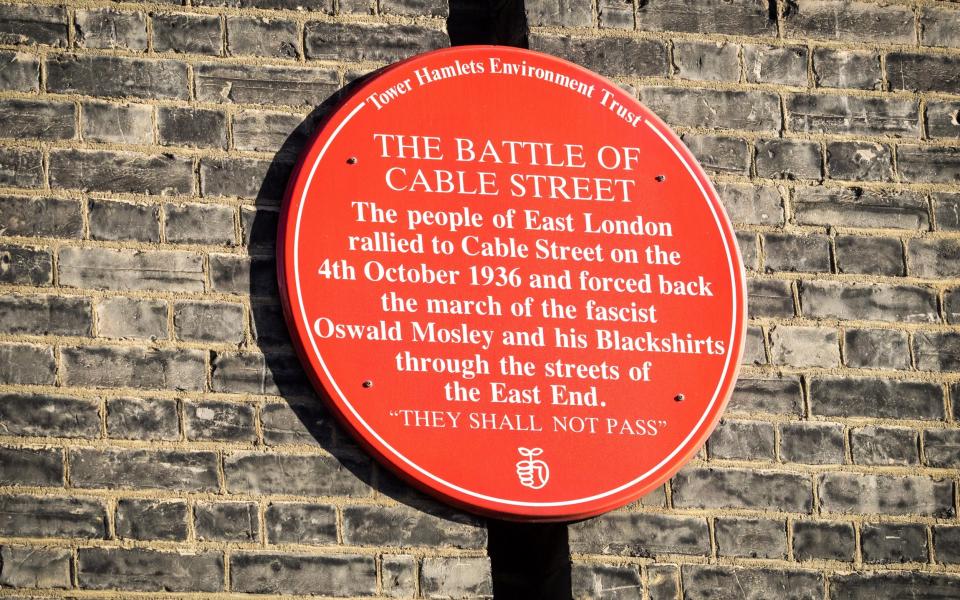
[679, 397]
[367, 384]
[661, 178]
[352, 160]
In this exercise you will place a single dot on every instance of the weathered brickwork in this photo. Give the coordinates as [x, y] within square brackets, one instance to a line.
[158, 438]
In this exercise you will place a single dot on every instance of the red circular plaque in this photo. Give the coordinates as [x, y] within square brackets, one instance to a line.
[514, 284]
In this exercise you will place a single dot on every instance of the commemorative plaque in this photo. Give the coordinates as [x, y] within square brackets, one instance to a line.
[512, 283]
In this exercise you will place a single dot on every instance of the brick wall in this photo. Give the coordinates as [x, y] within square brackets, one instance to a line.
[157, 437]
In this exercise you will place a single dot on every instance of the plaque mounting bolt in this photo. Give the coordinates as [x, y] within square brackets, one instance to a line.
[661, 178]
[679, 397]
[367, 384]
[352, 160]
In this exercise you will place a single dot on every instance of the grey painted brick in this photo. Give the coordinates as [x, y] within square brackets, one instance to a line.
[937, 351]
[721, 154]
[293, 86]
[295, 423]
[52, 517]
[117, 123]
[860, 493]
[377, 42]
[943, 119]
[753, 538]
[290, 523]
[890, 585]
[714, 109]
[50, 415]
[929, 164]
[942, 448]
[346, 7]
[748, 440]
[705, 582]
[859, 207]
[615, 14]
[325, 6]
[132, 318]
[399, 575]
[879, 445]
[876, 348]
[302, 475]
[33, 567]
[893, 542]
[40, 120]
[243, 275]
[268, 325]
[24, 24]
[869, 255]
[197, 223]
[124, 269]
[139, 569]
[770, 298]
[878, 302]
[859, 161]
[116, 468]
[750, 204]
[559, 13]
[194, 34]
[626, 57]
[712, 16]
[109, 171]
[706, 61]
[19, 72]
[219, 421]
[45, 315]
[21, 167]
[613, 582]
[31, 466]
[624, 534]
[939, 26]
[754, 351]
[951, 305]
[142, 419]
[776, 395]
[923, 72]
[209, 322]
[946, 540]
[749, 250]
[822, 540]
[934, 258]
[456, 577]
[110, 28]
[775, 64]
[151, 520]
[227, 521]
[193, 127]
[238, 372]
[26, 364]
[117, 76]
[698, 487]
[145, 368]
[878, 398]
[946, 210]
[810, 113]
[663, 582]
[40, 217]
[850, 21]
[111, 220]
[805, 346]
[405, 526]
[849, 69]
[242, 177]
[264, 131]
[415, 8]
[262, 36]
[258, 228]
[335, 575]
[812, 443]
[792, 253]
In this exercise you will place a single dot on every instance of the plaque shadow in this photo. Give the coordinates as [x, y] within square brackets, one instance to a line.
[306, 419]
